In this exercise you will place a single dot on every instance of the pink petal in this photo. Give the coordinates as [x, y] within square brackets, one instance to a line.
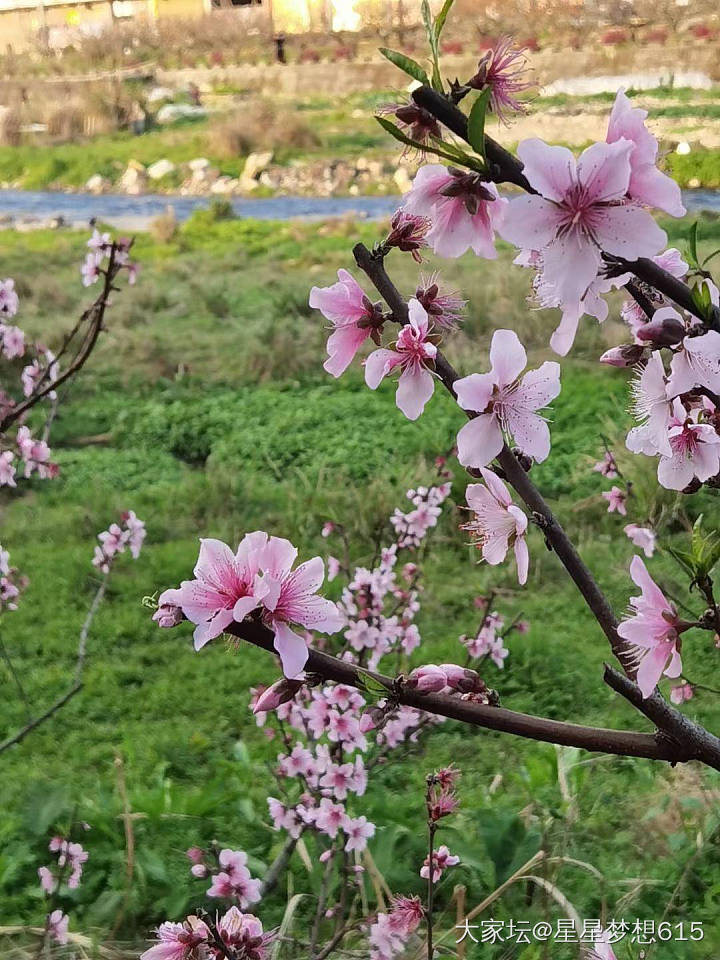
[507, 357]
[495, 549]
[539, 387]
[564, 334]
[343, 343]
[629, 232]
[244, 606]
[292, 649]
[531, 222]
[453, 230]
[522, 559]
[426, 187]
[495, 485]
[378, 365]
[654, 188]
[570, 265]
[216, 563]
[417, 314]
[651, 669]
[279, 557]
[414, 389]
[210, 629]
[475, 391]
[650, 590]
[604, 170]
[550, 170]
[530, 433]
[479, 441]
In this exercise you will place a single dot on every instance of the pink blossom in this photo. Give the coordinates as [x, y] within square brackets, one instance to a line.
[652, 631]
[696, 365]
[13, 341]
[330, 818]
[8, 298]
[414, 353]
[419, 124]
[179, 941]
[695, 450]
[601, 949]
[647, 185]
[353, 316]
[358, 831]
[652, 408]
[464, 210]
[428, 679]
[7, 470]
[624, 356]
[243, 933]
[234, 880]
[35, 453]
[442, 859]
[577, 214]
[333, 565]
[506, 404]
[607, 466]
[290, 596]
[407, 914]
[642, 537]
[224, 588]
[48, 882]
[91, 269]
[327, 529]
[502, 69]
[280, 692]
[616, 498]
[57, 926]
[445, 309]
[385, 941]
[285, 818]
[408, 234]
[682, 692]
[497, 523]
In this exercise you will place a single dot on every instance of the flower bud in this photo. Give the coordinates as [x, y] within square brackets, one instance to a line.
[168, 615]
[370, 719]
[195, 855]
[280, 692]
[661, 331]
[624, 356]
[428, 679]
[199, 870]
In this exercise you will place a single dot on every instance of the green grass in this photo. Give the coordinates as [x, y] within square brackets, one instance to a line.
[214, 418]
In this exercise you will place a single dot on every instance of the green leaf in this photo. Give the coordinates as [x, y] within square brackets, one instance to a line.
[371, 684]
[452, 154]
[476, 122]
[408, 65]
[433, 41]
[686, 560]
[442, 17]
[692, 245]
[702, 299]
[710, 256]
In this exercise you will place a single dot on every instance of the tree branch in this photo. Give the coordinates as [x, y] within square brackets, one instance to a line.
[596, 739]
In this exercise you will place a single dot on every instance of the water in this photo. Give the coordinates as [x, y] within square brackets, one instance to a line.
[136, 212]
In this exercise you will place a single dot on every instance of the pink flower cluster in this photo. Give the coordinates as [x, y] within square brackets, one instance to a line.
[33, 454]
[101, 246]
[450, 678]
[12, 339]
[68, 867]
[239, 935]
[489, 639]
[390, 931]
[129, 533]
[231, 879]
[11, 582]
[412, 527]
[259, 576]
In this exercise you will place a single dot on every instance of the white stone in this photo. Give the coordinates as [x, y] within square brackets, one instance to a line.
[160, 169]
[683, 148]
[179, 111]
[199, 164]
[97, 184]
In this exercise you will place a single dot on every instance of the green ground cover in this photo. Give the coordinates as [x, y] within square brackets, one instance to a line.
[211, 415]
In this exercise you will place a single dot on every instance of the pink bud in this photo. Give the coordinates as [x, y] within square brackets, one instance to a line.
[195, 855]
[325, 856]
[428, 679]
[624, 356]
[454, 673]
[280, 692]
[663, 332]
[199, 870]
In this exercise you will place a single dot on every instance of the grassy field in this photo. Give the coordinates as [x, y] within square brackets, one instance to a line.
[209, 414]
[316, 129]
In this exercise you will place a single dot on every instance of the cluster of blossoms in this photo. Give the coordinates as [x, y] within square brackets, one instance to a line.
[453, 679]
[642, 536]
[391, 931]
[234, 935]
[101, 247]
[410, 528]
[11, 582]
[68, 869]
[231, 878]
[257, 579]
[492, 631]
[129, 533]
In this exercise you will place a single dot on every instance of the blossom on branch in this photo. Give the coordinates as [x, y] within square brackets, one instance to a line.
[506, 404]
[8, 298]
[653, 631]
[616, 498]
[442, 859]
[695, 449]
[642, 537]
[414, 354]
[354, 318]
[444, 309]
[464, 210]
[497, 524]
[502, 70]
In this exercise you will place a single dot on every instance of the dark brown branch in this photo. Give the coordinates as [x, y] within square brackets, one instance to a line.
[506, 168]
[618, 742]
[29, 727]
[674, 724]
[94, 316]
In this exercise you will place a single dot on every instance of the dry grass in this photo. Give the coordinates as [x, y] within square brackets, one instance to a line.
[259, 126]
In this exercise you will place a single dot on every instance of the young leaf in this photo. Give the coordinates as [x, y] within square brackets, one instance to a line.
[432, 40]
[371, 685]
[476, 122]
[446, 152]
[409, 66]
[692, 245]
[685, 560]
[442, 17]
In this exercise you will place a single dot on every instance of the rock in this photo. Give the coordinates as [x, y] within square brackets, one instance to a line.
[160, 93]
[224, 186]
[199, 164]
[97, 184]
[172, 112]
[694, 183]
[402, 180]
[134, 180]
[683, 148]
[161, 168]
[255, 164]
